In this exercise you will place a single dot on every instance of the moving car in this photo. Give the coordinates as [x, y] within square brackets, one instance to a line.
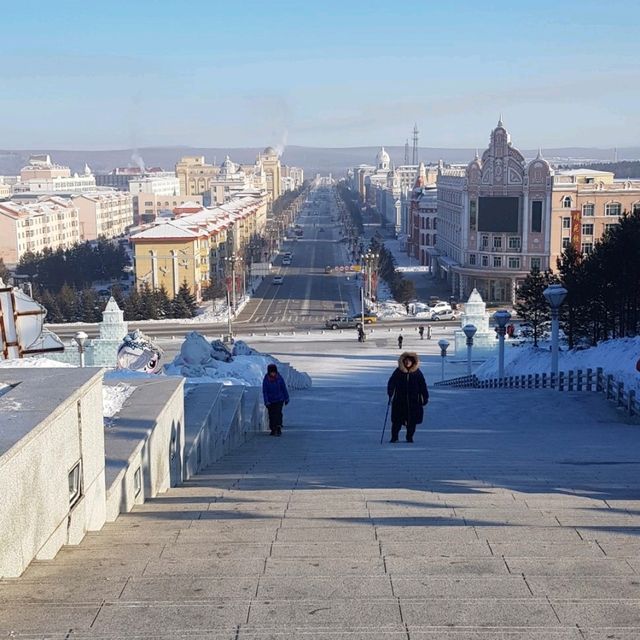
[342, 322]
[278, 279]
[328, 269]
[369, 318]
[286, 261]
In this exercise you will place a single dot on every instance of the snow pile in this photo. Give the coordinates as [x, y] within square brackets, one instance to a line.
[113, 398]
[31, 363]
[616, 357]
[200, 362]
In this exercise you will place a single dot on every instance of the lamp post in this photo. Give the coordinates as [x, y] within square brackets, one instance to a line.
[469, 331]
[231, 262]
[555, 295]
[501, 317]
[443, 344]
[81, 339]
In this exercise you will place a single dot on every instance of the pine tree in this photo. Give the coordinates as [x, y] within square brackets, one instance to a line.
[132, 306]
[163, 303]
[575, 322]
[89, 307]
[531, 305]
[148, 305]
[4, 272]
[67, 300]
[184, 304]
[50, 303]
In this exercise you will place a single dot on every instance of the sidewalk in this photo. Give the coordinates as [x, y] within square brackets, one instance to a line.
[515, 515]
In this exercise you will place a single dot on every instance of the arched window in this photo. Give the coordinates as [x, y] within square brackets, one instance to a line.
[427, 224]
[566, 202]
[635, 207]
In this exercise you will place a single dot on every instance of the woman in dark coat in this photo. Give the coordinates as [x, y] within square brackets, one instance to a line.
[408, 394]
[275, 394]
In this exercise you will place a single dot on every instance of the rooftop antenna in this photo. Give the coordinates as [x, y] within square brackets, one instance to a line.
[414, 159]
[615, 154]
[406, 152]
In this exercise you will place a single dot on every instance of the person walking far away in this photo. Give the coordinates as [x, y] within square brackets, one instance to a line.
[361, 335]
[428, 332]
[400, 339]
[408, 395]
[421, 332]
[275, 394]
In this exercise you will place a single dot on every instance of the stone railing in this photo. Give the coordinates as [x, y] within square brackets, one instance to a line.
[574, 380]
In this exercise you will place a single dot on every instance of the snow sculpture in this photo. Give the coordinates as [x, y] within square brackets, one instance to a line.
[219, 351]
[138, 353]
[241, 348]
[485, 341]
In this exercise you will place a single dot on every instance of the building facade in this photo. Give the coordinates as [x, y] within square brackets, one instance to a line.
[107, 213]
[494, 220]
[41, 175]
[195, 175]
[50, 223]
[422, 216]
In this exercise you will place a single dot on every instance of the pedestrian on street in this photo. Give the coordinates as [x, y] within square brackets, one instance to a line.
[361, 336]
[275, 394]
[400, 339]
[421, 332]
[408, 395]
[429, 332]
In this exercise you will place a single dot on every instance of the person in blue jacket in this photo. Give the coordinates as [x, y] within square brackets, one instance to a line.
[275, 394]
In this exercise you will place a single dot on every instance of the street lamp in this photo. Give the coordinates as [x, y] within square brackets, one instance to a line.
[81, 339]
[555, 295]
[501, 317]
[469, 331]
[443, 344]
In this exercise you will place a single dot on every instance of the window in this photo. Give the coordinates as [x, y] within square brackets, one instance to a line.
[613, 209]
[565, 242]
[75, 483]
[497, 261]
[566, 202]
[514, 242]
[485, 261]
[587, 247]
[485, 242]
[497, 242]
[473, 214]
[566, 223]
[472, 258]
[514, 263]
[635, 208]
[588, 209]
[609, 227]
[535, 264]
[587, 229]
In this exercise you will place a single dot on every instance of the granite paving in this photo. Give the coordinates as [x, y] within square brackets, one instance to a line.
[515, 515]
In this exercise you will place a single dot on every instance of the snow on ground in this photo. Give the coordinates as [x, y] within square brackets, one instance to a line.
[31, 363]
[113, 398]
[616, 357]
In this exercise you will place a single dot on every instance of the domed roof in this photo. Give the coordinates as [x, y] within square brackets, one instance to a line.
[270, 151]
[383, 157]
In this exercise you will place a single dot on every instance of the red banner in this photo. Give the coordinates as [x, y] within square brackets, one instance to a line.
[576, 229]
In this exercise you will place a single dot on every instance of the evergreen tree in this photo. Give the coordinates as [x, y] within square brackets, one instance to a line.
[50, 303]
[575, 322]
[163, 303]
[531, 305]
[184, 304]
[4, 272]
[133, 306]
[68, 304]
[148, 306]
[89, 306]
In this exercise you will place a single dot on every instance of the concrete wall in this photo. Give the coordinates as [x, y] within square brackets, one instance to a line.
[146, 437]
[48, 423]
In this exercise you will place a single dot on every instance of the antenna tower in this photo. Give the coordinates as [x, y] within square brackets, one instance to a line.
[406, 152]
[414, 158]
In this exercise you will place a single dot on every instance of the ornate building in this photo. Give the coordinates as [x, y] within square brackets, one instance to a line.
[494, 220]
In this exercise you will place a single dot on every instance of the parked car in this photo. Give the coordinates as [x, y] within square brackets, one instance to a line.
[440, 306]
[443, 314]
[342, 322]
[369, 318]
[328, 269]
[278, 279]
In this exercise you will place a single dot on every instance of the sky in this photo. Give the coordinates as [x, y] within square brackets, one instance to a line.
[121, 74]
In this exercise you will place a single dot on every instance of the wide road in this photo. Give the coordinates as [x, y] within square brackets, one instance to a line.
[306, 298]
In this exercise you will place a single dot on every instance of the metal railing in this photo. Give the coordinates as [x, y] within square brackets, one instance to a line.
[574, 380]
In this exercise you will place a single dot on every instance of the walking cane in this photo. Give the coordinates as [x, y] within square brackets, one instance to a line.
[386, 415]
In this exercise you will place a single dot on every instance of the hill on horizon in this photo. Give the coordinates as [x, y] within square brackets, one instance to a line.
[314, 160]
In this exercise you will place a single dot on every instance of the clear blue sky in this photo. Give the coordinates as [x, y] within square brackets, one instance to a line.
[350, 73]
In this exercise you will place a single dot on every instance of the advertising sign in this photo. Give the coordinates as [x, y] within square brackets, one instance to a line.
[576, 229]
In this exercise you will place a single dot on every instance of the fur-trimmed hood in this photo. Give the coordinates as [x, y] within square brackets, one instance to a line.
[408, 354]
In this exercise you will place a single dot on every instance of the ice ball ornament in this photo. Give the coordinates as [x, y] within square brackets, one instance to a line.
[138, 353]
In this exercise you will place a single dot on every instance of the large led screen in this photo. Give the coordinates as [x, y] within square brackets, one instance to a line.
[498, 215]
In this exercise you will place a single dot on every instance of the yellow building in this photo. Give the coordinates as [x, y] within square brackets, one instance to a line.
[195, 175]
[271, 165]
[193, 247]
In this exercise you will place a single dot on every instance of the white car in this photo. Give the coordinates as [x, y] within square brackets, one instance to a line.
[278, 279]
[286, 262]
[440, 306]
[443, 314]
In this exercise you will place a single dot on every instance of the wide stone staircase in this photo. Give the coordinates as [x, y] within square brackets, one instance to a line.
[514, 515]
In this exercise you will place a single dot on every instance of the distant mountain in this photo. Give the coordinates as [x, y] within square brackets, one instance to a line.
[312, 159]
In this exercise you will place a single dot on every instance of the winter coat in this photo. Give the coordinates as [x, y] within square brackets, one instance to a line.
[409, 393]
[274, 389]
